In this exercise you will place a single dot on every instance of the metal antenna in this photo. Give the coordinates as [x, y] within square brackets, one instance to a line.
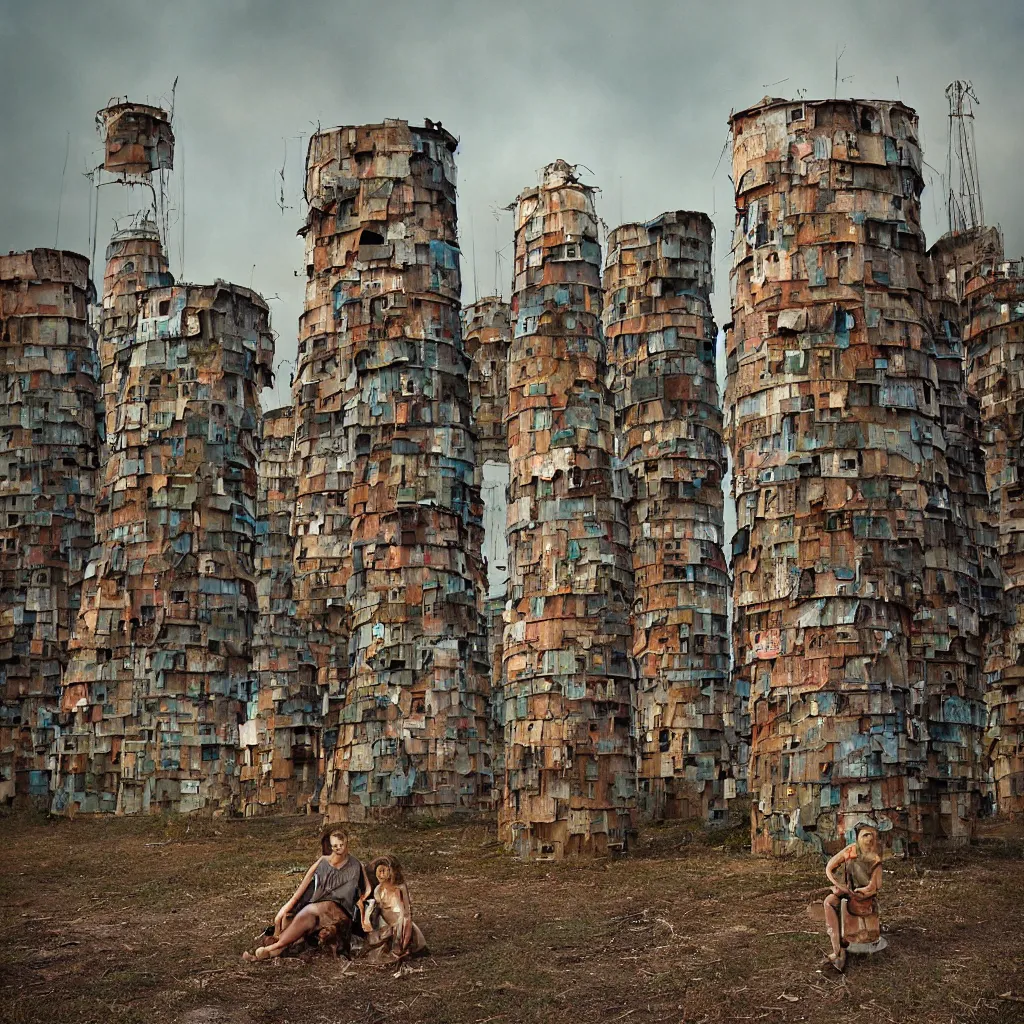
[280, 174]
[965, 208]
[839, 57]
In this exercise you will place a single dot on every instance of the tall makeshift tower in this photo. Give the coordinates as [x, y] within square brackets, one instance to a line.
[48, 457]
[389, 575]
[855, 603]
[569, 685]
[661, 344]
[994, 335]
[159, 678]
[486, 327]
[983, 293]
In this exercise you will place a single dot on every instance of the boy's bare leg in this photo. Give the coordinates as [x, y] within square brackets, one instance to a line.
[833, 908]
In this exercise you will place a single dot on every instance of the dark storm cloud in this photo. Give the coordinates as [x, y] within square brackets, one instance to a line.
[638, 92]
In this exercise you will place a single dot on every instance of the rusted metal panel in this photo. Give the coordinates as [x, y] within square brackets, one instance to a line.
[388, 573]
[569, 682]
[661, 346]
[48, 450]
[856, 597]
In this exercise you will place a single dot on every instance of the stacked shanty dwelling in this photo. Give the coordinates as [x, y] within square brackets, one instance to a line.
[48, 457]
[856, 598]
[159, 675]
[993, 324]
[568, 679]
[388, 568]
[486, 329]
[661, 343]
[281, 735]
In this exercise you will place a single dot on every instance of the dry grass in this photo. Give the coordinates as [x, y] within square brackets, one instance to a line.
[143, 921]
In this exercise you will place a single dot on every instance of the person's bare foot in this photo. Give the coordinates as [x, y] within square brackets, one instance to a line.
[838, 960]
[261, 954]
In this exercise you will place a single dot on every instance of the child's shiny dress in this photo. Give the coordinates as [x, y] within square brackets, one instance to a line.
[389, 911]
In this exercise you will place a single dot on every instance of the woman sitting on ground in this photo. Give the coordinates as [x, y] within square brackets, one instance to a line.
[387, 918]
[325, 901]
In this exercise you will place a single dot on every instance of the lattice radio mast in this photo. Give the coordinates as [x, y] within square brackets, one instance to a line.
[964, 198]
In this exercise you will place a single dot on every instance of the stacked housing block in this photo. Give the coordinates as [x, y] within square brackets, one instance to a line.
[661, 344]
[486, 330]
[994, 333]
[388, 521]
[486, 327]
[569, 682]
[281, 734]
[855, 600]
[159, 676]
[963, 580]
[48, 457]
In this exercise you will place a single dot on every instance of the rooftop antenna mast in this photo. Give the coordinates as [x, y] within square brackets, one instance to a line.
[964, 203]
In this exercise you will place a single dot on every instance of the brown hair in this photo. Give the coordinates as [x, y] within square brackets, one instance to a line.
[325, 837]
[391, 862]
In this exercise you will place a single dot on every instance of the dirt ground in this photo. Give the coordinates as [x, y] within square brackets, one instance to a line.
[119, 921]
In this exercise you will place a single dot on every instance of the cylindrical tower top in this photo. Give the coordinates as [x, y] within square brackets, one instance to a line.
[136, 261]
[46, 265]
[777, 137]
[137, 138]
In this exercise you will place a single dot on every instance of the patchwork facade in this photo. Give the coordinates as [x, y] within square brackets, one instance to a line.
[138, 140]
[569, 682]
[856, 595]
[48, 457]
[281, 735]
[160, 669]
[487, 329]
[389, 574]
[994, 331]
[661, 343]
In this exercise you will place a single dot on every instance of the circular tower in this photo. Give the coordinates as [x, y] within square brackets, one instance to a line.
[569, 683]
[661, 342]
[388, 519]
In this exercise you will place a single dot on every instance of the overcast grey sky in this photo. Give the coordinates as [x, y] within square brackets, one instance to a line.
[638, 92]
